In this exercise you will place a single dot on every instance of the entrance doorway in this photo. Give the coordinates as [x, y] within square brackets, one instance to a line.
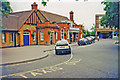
[26, 38]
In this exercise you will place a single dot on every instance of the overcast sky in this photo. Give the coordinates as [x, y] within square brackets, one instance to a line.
[84, 12]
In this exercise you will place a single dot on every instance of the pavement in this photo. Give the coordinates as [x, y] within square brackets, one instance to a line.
[16, 55]
[24, 54]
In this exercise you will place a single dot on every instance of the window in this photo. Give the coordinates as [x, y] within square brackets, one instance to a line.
[3, 37]
[34, 36]
[62, 34]
[67, 34]
[100, 17]
[11, 37]
[77, 35]
[56, 36]
[41, 36]
[71, 25]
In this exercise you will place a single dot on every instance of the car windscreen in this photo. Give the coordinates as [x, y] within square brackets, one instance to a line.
[62, 43]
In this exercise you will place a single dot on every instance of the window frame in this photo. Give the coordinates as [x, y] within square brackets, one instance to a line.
[77, 35]
[41, 36]
[62, 33]
[67, 34]
[11, 37]
[3, 40]
[34, 37]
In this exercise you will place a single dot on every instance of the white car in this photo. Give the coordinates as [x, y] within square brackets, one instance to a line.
[62, 47]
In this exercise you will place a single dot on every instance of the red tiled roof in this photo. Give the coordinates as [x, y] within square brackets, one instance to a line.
[54, 17]
[16, 19]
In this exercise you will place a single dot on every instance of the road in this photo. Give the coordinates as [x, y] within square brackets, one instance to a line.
[97, 60]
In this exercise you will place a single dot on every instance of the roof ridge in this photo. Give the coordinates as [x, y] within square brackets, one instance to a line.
[13, 15]
[54, 14]
[20, 11]
[9, 15]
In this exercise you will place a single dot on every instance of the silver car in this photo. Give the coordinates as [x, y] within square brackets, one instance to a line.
[62, 47]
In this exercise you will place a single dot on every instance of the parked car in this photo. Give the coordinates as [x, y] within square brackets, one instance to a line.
[89, 39]
[62, 47]
[82, 41]
[93, 39]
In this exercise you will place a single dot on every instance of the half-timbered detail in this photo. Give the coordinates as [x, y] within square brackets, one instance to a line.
[33, 19]
[37, 27]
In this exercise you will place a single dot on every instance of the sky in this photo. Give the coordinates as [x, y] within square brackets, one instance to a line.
[84, 11]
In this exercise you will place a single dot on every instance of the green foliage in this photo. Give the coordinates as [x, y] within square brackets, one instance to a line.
[84, 31]
[32, 34]
[56, 32]
[92, 33]
[88, 33]
[5, 7]
[65, 33]
[111, 17]
[2, 27]
[49, 32]
[44, 3]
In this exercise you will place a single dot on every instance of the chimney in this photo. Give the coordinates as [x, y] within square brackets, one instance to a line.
[71, 16]
[34, 6]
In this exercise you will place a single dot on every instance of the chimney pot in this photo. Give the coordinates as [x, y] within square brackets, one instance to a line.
[34, 6]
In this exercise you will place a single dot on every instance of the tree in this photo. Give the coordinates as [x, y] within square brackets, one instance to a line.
[44, 3]
[93, 30]
[5, 7]
[88, 33]
[84, 31]
[111, 17]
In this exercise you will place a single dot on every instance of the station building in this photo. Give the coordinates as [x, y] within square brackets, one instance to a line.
[37, 27]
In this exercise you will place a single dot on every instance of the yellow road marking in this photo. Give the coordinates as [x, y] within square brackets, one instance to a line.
[23, 76]
[35, 73]
[43, 70]
[74, 62]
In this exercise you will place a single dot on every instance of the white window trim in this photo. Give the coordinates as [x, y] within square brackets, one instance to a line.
[11, 37]
[34, 37]
[3, 41]
[67, 34]
[41, 36]
[61, 33]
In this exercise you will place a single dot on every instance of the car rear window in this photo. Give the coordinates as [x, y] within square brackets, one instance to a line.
[62, 43]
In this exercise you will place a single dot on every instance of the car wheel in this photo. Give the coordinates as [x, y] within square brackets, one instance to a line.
[79, 44]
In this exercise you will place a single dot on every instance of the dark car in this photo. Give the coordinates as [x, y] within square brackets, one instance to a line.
[82, 41]
[62, 47]
[93, 39]
[89, 39]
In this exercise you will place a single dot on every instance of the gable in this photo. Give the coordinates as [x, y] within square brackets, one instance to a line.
[33, 19]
